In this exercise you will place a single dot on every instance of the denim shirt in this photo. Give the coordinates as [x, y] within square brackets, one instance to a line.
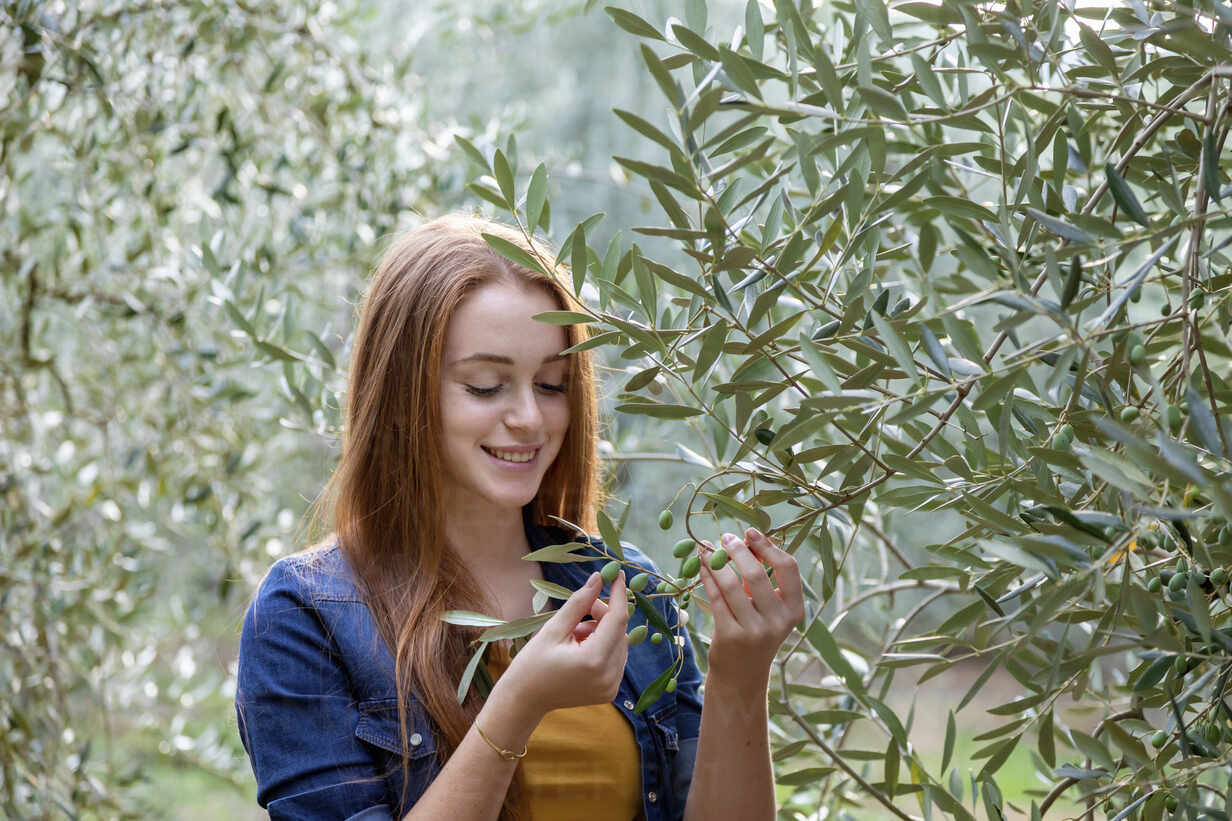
[317, 704]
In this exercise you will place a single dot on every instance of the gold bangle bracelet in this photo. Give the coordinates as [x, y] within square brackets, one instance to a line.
[508, 755]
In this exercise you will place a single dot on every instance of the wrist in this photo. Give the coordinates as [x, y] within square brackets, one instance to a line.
[742, 703]
[508, 703]
[737, 682]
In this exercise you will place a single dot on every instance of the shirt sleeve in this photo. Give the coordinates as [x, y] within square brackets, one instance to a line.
[297, 718]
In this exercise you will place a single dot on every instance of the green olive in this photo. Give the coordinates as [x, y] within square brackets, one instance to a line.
[1129, 413]
[610, 571]
[1219, 576]
[691, 567]
[631, 609]
[657, 638]
[1067, 430]
[1159, 739]
[1137, 356]
[671, 685]
[638, 583]
[1154, 585]
[1179, 582]
[638, 634]
[665, 520]
[683, 548]
[1172, 416]
[1061, 443]
[719, 559]
[1180, 664]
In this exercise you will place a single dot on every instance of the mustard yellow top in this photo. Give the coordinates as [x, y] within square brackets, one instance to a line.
[579, 761]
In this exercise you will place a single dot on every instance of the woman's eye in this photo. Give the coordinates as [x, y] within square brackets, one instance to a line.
[546, 387]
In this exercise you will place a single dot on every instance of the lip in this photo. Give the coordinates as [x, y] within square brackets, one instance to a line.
[530, 464]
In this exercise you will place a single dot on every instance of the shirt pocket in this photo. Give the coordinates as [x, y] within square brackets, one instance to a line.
[378, 727]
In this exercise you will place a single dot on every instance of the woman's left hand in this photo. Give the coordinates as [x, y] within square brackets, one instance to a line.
[751, 617]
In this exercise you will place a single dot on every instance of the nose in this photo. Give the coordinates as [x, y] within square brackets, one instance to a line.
[524, 412]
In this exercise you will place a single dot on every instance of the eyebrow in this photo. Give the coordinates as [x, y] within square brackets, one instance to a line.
[502, 360]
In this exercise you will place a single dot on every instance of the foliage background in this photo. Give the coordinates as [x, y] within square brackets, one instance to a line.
[870, 238]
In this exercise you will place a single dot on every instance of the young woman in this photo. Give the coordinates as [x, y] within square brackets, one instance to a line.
[467, 430]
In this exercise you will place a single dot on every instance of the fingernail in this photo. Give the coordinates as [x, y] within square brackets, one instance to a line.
[728, 538]
[754, 533]
[591, 581]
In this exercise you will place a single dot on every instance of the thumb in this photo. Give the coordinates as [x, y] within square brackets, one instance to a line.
[575, 607]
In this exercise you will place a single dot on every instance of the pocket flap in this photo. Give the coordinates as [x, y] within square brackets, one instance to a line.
[378, 725]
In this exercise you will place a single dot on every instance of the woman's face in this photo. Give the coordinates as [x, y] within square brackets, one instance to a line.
[504, 408]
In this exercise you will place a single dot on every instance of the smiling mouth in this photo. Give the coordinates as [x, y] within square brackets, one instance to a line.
[515, 457]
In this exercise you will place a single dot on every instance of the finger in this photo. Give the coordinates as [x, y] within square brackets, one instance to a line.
[575, 607]
[732, 590]
[786, 570]
[756, 582]
[599, 608]
[612, 626]
[719, 611]
[584, 630]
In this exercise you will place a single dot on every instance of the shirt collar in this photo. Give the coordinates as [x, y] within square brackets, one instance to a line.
[571, 575]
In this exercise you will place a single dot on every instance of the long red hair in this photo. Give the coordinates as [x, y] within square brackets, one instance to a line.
[386, 492]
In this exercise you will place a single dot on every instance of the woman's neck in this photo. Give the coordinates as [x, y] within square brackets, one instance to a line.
[492, 546]
[487, 538]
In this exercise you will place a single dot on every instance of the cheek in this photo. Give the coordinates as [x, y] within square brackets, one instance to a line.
[558, 415]
[467, 417]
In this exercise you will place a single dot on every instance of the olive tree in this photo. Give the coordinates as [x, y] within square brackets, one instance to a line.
[963, 260]
[161, 165]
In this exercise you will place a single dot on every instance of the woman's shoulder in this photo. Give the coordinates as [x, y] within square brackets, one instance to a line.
[308, 609]
[318, 573]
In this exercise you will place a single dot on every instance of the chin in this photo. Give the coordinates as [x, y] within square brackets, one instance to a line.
[514, 501]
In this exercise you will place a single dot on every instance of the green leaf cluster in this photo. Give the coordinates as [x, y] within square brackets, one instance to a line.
[967, 262]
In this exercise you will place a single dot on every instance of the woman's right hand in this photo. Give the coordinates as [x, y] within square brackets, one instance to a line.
[570, 663]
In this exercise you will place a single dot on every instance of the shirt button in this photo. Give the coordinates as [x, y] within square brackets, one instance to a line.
[629, 705]
[416, 739]
[652, 797]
